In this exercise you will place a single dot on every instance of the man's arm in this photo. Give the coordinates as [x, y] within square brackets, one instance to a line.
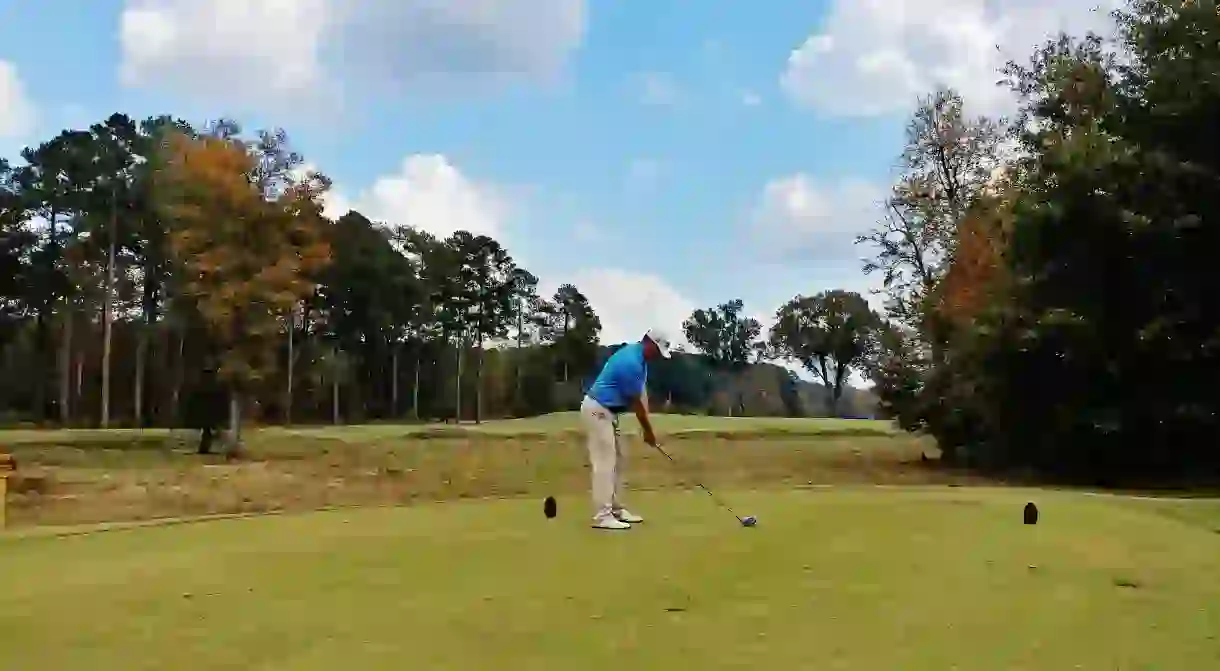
[640, 406]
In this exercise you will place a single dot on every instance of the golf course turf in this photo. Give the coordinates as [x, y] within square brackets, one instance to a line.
[70, 477]
[854, 577]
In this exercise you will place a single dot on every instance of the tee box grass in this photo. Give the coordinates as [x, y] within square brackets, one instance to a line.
[920, 579]
[850, 576]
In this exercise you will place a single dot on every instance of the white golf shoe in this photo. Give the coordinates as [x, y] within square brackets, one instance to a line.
[624, 515]
[609, 522]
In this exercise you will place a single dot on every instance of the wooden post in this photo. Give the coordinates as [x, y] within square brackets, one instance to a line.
[7, 466]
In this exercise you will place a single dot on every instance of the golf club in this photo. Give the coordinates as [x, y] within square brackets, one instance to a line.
[747, 521]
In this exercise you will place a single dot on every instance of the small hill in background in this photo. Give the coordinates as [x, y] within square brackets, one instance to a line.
[691, 384]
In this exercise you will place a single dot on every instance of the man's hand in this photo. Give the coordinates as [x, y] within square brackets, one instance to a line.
[641, 414]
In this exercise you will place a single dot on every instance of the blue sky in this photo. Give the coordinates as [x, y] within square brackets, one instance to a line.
[662, 154]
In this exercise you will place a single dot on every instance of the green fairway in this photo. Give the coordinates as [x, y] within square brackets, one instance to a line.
[844, 578]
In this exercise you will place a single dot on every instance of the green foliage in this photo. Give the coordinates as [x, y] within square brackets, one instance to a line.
[723, 334]
[571, 326]
[829, 334]
[1098, 361]
[17, 241]
[683, 381]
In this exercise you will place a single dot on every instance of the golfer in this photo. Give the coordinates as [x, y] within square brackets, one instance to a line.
[621, 385]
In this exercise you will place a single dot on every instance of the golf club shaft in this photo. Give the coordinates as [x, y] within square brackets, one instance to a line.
[720, 503]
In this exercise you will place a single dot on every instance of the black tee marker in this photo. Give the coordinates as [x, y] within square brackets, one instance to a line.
[1031, 513]
[549, 507]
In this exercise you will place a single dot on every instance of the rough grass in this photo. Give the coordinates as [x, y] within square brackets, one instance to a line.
[844, 578]
[74, 487]
[71, 477]
[552, 424]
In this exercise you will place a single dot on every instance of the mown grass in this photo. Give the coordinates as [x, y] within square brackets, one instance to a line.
[843, 578]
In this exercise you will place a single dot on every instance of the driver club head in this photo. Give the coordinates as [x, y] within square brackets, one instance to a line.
[749, 521]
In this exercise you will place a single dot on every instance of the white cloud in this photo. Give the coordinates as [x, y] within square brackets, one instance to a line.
[414, 40]
[874, 57]
[799, 217]
[657, 88]
[431, 194]
[248, 51]
[274, 53]
[17, 113]
[629, 303]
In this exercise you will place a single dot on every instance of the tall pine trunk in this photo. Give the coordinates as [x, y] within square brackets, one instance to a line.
[291, 365]
[44, 322]
[42, 339]
[179, 372]
[80, 378]
[566, 319]
[457, 409]
[334, 401]
[141, 355]
[65, 367]
[394, 381]
[478, 386]
[147, 336]
[415, 387]
[108, 312]
[478, 369]
[235, 408]
[517, 358]
[334, 386]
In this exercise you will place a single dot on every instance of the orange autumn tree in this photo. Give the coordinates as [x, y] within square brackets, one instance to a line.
[976, 274]
[248, 236]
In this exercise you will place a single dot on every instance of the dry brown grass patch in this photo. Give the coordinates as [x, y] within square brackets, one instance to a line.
[145, 479]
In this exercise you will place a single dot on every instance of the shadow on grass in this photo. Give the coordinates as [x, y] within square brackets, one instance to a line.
[1180, 488]
[769, 433]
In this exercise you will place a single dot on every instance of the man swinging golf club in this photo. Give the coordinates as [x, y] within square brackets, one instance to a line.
[621, 384]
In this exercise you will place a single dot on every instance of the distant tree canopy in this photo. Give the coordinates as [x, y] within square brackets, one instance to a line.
[828, 334]
[722, 334]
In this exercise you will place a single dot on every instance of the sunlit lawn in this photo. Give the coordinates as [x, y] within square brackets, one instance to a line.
[849, 578]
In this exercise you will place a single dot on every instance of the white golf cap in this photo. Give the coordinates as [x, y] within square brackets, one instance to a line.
[661, 339]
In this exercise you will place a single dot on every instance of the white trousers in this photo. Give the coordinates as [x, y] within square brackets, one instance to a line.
[605, 456]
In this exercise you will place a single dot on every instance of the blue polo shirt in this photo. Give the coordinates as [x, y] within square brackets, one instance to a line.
[621, 379]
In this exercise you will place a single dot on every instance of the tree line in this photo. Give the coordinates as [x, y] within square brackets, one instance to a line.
[146, 261]
[154, 271]
[1050, 306]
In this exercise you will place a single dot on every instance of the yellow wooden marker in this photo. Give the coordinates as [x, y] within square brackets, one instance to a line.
[7, 466]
